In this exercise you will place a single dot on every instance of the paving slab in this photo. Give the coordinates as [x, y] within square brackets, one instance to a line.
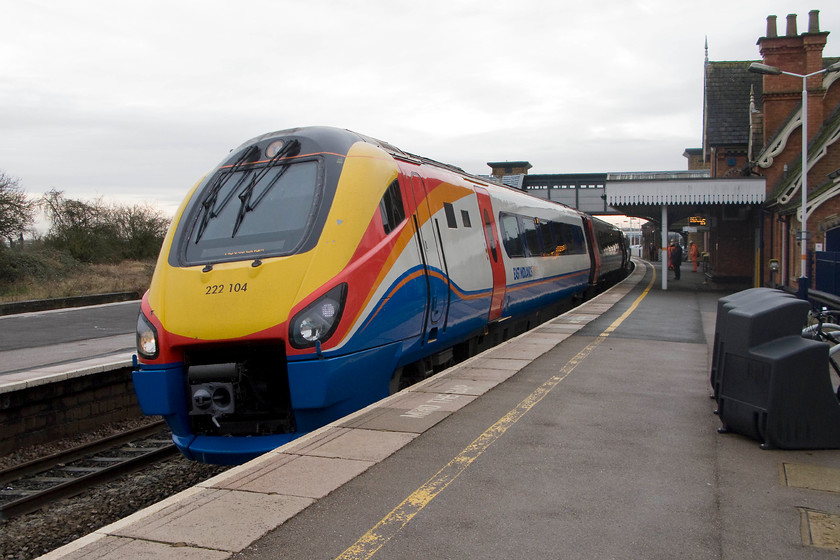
[460, 382]
[299, 476]
[562, 328]
[422, 401]
[506, 364]
[120, 547]
[477, 373]
[396, 420]
[575, 318]
[363, 445]
[218, 519]
[523, 351]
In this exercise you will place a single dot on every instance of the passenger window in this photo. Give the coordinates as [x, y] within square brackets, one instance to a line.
[531, 237]
[561, 242]
[450, 215]
[527, 236]
[548, 245]
[513, 239]
[577, 241]
[391, 207]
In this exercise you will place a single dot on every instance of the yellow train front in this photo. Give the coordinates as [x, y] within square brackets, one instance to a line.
[316, 270]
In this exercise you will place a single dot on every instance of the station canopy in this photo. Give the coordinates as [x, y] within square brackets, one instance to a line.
[645, 197]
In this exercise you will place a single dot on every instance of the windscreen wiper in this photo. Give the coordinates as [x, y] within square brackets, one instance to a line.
[209, 201]
[289, 150]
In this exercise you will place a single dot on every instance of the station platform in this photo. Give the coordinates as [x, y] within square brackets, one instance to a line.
[42, 347]
[591, 436]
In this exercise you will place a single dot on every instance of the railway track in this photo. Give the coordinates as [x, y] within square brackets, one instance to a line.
[27, 487]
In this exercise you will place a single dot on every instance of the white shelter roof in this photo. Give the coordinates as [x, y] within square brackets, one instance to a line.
[740, 190]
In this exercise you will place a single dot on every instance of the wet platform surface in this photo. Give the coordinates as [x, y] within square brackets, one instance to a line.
[591, 436]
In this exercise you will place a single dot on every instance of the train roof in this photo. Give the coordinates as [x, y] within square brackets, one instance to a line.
[339, 140]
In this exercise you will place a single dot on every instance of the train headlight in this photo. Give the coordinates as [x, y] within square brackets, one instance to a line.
[318, 321]
[147, 339]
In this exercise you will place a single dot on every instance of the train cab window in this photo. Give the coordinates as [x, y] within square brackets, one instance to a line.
[465, 218]
[254, 209]
[513, 240]
[391, 207]
[449, 210]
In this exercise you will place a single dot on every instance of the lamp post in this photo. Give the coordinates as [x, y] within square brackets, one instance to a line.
[774, 71]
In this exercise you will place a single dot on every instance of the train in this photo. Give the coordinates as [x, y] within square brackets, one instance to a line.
[317, 270]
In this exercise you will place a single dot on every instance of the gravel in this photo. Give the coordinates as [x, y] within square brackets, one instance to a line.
[31, 452]
[64, 521]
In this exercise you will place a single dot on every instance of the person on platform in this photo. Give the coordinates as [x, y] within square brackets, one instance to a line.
[694, 255]
[676, 258]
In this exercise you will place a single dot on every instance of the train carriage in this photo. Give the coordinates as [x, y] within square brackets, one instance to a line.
[317, 270]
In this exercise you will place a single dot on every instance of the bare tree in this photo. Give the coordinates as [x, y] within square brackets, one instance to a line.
[17, 211]
[93, 231]
[141, 228]
[83, 229]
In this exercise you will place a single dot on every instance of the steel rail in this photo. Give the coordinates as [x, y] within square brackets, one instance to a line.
[44, 463]
[98, 475]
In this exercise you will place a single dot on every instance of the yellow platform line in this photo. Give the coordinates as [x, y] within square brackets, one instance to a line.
[401, 515]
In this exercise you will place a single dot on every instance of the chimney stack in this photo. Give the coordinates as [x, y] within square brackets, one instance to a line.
[791, 26]
[771, 27]
[814, 21]
[799, 54]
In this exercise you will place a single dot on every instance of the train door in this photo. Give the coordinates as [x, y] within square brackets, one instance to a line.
[594, 251]
[437, 281]
[494, 248]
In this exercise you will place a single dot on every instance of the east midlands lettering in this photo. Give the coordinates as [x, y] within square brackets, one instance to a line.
[523, 272]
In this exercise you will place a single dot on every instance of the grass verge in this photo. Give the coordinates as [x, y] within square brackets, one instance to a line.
[55, 276]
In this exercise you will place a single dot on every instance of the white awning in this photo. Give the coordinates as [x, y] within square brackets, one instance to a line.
[743, 190]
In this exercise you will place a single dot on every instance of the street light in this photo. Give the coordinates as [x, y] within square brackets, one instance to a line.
[774, 71]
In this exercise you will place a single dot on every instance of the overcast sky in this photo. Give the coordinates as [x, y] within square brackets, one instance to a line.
[135, 101]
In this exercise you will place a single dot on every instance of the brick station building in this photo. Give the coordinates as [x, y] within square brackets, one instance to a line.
[753, 126]
[743, 184]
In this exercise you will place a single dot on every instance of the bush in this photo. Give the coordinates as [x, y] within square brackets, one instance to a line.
[34, 264]
[141, 230]
[93, 232]
[16, 265]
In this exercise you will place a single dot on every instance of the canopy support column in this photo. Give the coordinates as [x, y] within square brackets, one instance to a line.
[665, 252]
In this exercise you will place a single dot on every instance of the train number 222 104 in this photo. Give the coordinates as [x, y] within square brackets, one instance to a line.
[215, 289]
